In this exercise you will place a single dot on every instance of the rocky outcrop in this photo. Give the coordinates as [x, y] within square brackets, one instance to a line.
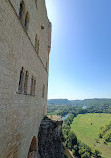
[49, 139]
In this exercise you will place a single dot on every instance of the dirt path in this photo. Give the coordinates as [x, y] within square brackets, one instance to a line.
[69, 153]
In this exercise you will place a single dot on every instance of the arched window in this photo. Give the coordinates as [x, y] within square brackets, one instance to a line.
[21, 10]
[20, 86]
[26, 82]
[43, 91]
[26, 20]
[33, 148]
[32, 85]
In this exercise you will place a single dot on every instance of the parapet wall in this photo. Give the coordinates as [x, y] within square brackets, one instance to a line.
[50, 139]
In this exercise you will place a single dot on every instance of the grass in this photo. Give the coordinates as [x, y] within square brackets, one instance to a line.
[87, 128]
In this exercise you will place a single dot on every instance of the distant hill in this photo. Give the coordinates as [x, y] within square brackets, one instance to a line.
[92, 102]
[86, 102]
[59, 102]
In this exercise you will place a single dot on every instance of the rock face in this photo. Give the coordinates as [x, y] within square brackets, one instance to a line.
[49, 139]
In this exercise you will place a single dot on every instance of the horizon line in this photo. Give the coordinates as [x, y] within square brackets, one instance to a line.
[76, 99]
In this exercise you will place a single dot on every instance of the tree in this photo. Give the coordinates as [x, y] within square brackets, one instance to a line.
[86, 155]
[72, 139]
[97, 153]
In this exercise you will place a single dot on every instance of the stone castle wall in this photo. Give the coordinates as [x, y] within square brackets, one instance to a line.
[21, 113]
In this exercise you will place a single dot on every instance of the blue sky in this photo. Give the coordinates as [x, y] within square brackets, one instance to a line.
[80, 57]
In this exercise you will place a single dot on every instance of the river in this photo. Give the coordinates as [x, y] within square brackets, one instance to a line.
[84, 107]
[65, 117]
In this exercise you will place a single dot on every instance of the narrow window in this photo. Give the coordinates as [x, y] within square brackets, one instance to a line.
[32, 83]
[21, 10]
[20, 87]
[36, 42]
[43, 91]
[44, 112]
[38, 46]
[26, 82]
[36, 2]
[42, 27]
[48, 50]
[34, 86]
[26, 20]
[46, 66]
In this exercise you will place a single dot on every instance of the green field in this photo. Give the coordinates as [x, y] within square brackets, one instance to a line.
[87, 127]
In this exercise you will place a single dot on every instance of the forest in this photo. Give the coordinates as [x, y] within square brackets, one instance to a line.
[100, 108]
[64, 106]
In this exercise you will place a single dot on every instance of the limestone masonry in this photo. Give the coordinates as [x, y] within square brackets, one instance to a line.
[25, 41]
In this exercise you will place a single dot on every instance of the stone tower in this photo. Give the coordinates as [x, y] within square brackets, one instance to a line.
[25, 41]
